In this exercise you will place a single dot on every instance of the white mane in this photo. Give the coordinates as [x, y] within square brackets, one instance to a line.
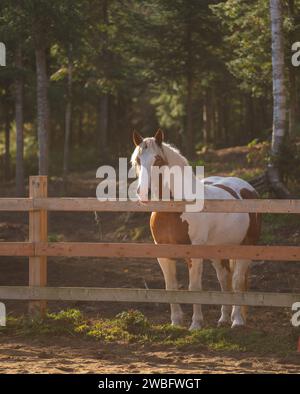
[173, 156]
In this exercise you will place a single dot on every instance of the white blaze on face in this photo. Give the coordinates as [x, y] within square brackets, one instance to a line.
[144, 183]
[146, 161]
[148, 152]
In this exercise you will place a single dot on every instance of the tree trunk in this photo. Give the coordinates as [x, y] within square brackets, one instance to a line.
[42, 109]
[104, 98]
[80, 131]
[292, 101]
[225, 117]
[249, 117]
[279, 97]
[103, 123]
[189, 118]
[19, 106]
[292, 76]
[190, 143]
[206, 119]
[7, 147]
[214, 135]
[68, 119]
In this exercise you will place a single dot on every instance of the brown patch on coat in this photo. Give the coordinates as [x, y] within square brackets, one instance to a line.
[189, 263]
[168, 227]
[228, 190]
[159, 161]
[225, 264]
[254, 229]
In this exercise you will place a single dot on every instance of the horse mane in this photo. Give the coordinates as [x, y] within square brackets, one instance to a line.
[173, 156]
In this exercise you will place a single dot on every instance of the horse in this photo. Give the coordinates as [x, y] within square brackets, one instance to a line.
[198, 228]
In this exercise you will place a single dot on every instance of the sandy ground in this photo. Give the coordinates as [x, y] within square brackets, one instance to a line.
[66, 355]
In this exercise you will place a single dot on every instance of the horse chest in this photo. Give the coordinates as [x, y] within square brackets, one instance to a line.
[168, 227]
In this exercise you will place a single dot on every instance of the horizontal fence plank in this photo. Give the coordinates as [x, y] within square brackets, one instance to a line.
[92, 204]
[16, 249]
[16, 204]
[140, 250]
[68, 249]
[142, 295]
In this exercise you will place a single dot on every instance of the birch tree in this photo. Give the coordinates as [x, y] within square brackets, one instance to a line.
[19, 107]
[279, 97]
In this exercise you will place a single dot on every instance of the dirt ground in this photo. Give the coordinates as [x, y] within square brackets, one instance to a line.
[67, 354]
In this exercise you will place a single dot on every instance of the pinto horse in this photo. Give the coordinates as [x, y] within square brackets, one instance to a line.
[198, 228]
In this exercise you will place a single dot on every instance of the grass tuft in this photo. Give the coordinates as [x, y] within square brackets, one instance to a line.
[133, 327]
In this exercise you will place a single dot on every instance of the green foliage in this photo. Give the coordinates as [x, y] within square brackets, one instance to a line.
[248, 37]
[54, 238]
[259, 153]
[176, 63]
[133, 327]
[133, 322]
[170, 108]
[274, 225]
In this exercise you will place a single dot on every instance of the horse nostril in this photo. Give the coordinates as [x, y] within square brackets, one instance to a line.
[138, 190]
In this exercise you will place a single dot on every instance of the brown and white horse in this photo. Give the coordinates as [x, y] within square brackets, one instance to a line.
[198, 228]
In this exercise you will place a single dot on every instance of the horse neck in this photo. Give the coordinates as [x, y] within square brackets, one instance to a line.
[193, 179]
[174, 158]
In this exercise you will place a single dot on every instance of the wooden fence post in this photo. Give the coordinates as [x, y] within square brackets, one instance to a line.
[38, 232]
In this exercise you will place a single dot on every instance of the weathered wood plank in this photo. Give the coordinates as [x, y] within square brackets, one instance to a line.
[134, 250]
[16, 249]
[68, 249]
[92, 204]
[142, 295]
[16, 204]
[38, 232]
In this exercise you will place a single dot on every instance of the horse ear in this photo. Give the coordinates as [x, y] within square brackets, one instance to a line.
[137, 138]
[159, 137]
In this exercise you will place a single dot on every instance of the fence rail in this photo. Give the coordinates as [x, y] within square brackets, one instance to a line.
[92, 204]
[38, 249]
[138, 250]
[143, 295]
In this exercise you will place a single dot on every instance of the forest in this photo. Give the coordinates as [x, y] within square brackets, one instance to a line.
[80, 75]
[81, 287]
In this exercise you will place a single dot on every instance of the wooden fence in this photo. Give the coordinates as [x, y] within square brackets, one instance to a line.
[38, 249]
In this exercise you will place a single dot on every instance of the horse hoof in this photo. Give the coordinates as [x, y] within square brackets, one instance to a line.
[177, 323]
[195, 326]
[223, 323]
[238, 325]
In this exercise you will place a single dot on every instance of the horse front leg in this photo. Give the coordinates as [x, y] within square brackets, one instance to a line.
[168, 267]
[239, 284]
[195, 283]
[224, 276]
